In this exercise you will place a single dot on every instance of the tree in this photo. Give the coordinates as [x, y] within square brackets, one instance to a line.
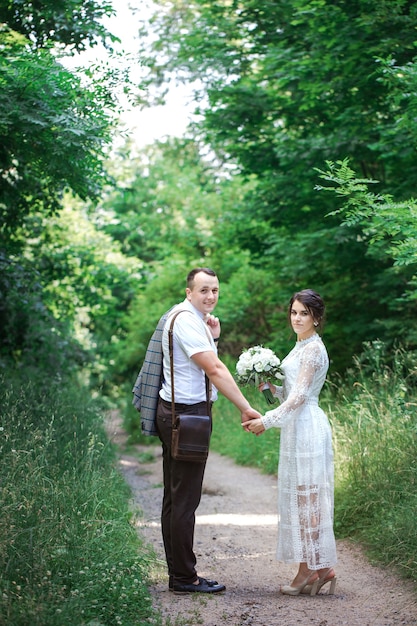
[390, 229]
[291, 84]
[52, 133]
[85, 282]
[72, 23]
[285, 87]
[169, 200]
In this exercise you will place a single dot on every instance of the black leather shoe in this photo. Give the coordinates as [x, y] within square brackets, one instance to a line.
[204, 586]
[171, 584]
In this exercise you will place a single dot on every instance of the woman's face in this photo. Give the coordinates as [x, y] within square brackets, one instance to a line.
[302, 321]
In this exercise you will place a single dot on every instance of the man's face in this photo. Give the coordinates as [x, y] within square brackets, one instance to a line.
[205, 292]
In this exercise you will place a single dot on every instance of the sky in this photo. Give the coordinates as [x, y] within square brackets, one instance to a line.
[143, 126]
[156, 122]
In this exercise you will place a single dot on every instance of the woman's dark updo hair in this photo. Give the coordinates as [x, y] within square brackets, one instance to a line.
[313, 302]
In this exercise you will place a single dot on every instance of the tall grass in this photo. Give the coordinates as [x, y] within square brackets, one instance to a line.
[69, 553]
[374, 417]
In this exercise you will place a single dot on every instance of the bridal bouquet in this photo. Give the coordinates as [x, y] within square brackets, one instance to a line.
[258, 364]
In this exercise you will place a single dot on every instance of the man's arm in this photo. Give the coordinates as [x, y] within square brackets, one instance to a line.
[222, 379]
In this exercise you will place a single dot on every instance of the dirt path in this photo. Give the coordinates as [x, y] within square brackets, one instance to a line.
[235, 542]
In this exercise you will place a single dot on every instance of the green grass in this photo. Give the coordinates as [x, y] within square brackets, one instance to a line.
[69, 551]
[230, 439]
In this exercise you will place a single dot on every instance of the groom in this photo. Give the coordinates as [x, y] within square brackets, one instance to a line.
[195, 337]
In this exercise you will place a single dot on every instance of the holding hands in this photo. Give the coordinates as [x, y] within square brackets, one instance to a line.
[255, 426]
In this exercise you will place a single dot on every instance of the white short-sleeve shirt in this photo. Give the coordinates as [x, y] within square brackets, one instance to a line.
[191, 336]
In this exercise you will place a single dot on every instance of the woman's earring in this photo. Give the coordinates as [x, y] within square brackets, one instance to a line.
[316, 323]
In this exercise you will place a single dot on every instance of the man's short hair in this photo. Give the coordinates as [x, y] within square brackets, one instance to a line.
[191, 275]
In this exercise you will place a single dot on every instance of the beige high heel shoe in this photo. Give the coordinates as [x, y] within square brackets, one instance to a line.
[295, 591]
[323, 580]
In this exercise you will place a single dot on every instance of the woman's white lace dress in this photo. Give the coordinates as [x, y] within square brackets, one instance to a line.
[305, 469]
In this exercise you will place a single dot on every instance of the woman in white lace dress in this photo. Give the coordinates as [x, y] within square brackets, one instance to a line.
[305, 469]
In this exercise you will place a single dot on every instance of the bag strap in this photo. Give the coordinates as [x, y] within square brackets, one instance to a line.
[171, 362]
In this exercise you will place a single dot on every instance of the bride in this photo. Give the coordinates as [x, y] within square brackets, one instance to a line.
[305, 469]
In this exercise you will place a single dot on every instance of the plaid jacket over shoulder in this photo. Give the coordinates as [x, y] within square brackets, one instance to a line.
[149, 380]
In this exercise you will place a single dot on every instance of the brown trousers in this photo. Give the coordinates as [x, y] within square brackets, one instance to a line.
[183, 481]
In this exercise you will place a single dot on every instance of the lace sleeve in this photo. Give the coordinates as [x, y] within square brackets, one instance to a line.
[311, 362]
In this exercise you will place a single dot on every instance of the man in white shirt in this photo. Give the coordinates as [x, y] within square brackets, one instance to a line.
[195, 336]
